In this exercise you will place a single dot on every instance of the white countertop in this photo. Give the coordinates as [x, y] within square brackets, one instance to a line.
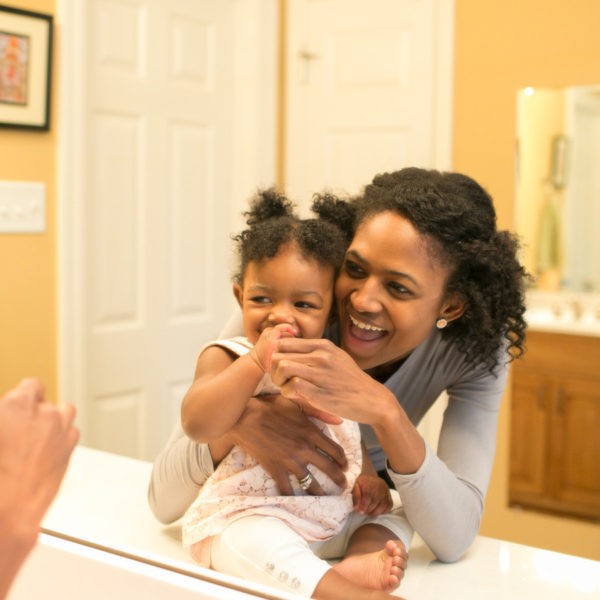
[103, 502]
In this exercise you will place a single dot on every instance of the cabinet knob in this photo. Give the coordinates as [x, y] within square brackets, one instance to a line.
[540, 395]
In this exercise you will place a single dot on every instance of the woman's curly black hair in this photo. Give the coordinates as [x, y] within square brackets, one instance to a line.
[272, 224]
[457, 218]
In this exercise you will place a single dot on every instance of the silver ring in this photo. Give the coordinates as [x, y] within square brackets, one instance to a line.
[306, 481]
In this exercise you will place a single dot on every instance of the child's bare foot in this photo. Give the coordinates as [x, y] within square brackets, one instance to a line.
[380, 570]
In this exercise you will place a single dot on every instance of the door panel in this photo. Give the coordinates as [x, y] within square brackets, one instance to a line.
[528, 437]
[369, 89]
[575, 473]
[363, 87]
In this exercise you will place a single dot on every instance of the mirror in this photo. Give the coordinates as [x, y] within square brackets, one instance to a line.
[558, 186]
[120, 59]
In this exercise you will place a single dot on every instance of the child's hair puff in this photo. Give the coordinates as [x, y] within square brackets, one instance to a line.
[272, 224]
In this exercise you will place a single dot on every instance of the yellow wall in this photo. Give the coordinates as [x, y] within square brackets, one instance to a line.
[28, 319]
[500, 47]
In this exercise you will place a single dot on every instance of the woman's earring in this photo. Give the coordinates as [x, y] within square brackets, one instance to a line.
[441, 323]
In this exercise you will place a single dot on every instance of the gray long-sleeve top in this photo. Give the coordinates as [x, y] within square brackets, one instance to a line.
[444, 499]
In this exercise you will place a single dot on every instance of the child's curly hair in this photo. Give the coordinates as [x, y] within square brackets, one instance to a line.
[272, 224]
[457, 218]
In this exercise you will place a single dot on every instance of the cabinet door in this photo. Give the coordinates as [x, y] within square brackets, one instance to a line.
[574, 468]
[528, 437]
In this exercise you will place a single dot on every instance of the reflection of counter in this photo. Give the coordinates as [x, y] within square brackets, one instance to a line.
[62, 570]
[550, 323]
[103, 501]
[563, 312]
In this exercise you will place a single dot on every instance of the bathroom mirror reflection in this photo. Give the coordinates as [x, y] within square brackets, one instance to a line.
[558, 186]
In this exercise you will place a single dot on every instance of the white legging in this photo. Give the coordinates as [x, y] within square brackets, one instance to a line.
[267, 551]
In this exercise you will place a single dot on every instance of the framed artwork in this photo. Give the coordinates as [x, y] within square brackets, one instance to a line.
[25, 68]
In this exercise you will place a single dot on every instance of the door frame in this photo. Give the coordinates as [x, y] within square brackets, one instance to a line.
[255, 124]
[444, 83]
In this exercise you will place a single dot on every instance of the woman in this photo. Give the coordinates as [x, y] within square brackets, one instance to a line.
[430, 299]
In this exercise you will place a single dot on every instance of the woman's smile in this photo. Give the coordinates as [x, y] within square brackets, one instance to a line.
[364, 330]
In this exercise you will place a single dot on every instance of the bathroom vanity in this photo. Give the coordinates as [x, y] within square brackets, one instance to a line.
[555, 414]
[101, 541]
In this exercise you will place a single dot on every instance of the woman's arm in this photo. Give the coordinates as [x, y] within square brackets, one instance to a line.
[442, 495]
[178, 473]
[274, 432]
[319, 375]
[454, 482]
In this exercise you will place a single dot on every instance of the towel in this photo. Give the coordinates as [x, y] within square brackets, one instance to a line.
[549, 253]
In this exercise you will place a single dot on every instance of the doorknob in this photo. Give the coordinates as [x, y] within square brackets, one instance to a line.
[306, 57]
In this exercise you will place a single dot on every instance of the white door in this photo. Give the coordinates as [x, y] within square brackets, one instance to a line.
[369, 90]
[150, 199]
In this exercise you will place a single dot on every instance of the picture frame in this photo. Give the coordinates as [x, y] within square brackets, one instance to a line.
[25, 68]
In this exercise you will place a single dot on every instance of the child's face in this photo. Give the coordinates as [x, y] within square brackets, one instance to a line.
[287, 288]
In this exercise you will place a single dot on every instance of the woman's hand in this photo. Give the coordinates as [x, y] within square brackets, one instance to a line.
[36, 442]
[317, 374]
[277, 434]
[371, 495]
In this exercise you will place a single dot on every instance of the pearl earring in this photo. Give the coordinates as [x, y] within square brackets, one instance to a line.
[441, 323]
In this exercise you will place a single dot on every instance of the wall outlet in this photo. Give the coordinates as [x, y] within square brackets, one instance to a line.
[22, 207]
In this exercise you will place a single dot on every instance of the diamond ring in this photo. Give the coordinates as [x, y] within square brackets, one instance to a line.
[306, 481]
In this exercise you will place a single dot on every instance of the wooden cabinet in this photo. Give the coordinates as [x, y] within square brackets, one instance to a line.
[555, 426]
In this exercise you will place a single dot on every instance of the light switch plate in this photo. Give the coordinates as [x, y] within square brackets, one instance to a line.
[22, 207]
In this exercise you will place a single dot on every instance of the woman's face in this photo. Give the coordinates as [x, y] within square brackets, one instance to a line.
[390, 291]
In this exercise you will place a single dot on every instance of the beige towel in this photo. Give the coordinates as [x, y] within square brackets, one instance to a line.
[549, 253]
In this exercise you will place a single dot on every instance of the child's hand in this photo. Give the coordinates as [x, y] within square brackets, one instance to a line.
[371, 495]
[267, 343]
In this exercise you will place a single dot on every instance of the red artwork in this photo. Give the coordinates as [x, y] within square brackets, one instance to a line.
[14, 63]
